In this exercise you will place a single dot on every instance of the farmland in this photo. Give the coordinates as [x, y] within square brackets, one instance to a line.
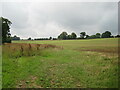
[90, 63]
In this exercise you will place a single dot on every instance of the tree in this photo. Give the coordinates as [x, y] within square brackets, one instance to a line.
[117, 36]
[82, 35]
[15, 38]
[106, 34]
[87, 36]
[69, 37]
[73, 35]
[50, 38]
[29, 38]
[6, 36]
[54, 38]
[92, 37]
[98, 35]
[63, 35]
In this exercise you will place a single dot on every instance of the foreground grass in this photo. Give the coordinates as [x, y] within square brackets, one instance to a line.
[80, 63]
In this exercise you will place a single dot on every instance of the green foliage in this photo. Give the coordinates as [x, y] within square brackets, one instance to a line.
[5, 30]
[117, 36]
[106, 34]
[29, 38]
[50, 38]
[82, 35]
[73, 35]
[87, 36]
[69, 37]
[63, 35]
[41, 39]
[98, 35]
[15, 38]
[92, 37]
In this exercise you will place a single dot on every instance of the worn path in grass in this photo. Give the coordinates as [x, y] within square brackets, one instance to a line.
[81, 63]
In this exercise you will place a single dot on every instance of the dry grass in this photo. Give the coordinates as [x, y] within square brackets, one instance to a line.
[103, 50]
[24, 49]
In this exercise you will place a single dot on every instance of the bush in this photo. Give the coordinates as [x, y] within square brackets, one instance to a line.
[8, 40]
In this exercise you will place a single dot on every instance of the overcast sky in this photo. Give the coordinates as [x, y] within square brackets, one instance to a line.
[45, 19]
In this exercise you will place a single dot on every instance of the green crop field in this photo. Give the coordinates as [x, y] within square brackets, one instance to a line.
[90, 63]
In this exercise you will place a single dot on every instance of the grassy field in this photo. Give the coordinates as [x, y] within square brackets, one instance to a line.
[69, 64]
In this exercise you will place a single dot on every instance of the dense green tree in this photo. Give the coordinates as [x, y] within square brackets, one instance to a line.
[54, 38]
[117, 36]
[29, 38]
[98, 35]
[73, 35]
[6, 36]
[106, 34]
[63, 35]
[41, 39]
[87, 36]
[50, 38]
[92, 37]
[82, 35]
[15, 38]
[69, 37]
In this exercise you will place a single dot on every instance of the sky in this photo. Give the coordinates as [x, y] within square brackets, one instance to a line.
[45, 19]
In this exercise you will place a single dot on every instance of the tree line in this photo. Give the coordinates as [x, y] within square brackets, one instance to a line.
[6, 36]
[83, 35]
[65, 36]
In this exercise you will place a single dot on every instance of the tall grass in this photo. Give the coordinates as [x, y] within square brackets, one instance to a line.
[17, 50]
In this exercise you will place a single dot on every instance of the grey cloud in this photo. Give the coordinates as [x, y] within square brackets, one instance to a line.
[17, 13]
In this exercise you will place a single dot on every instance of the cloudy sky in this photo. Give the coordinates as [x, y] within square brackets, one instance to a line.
[45, 19]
